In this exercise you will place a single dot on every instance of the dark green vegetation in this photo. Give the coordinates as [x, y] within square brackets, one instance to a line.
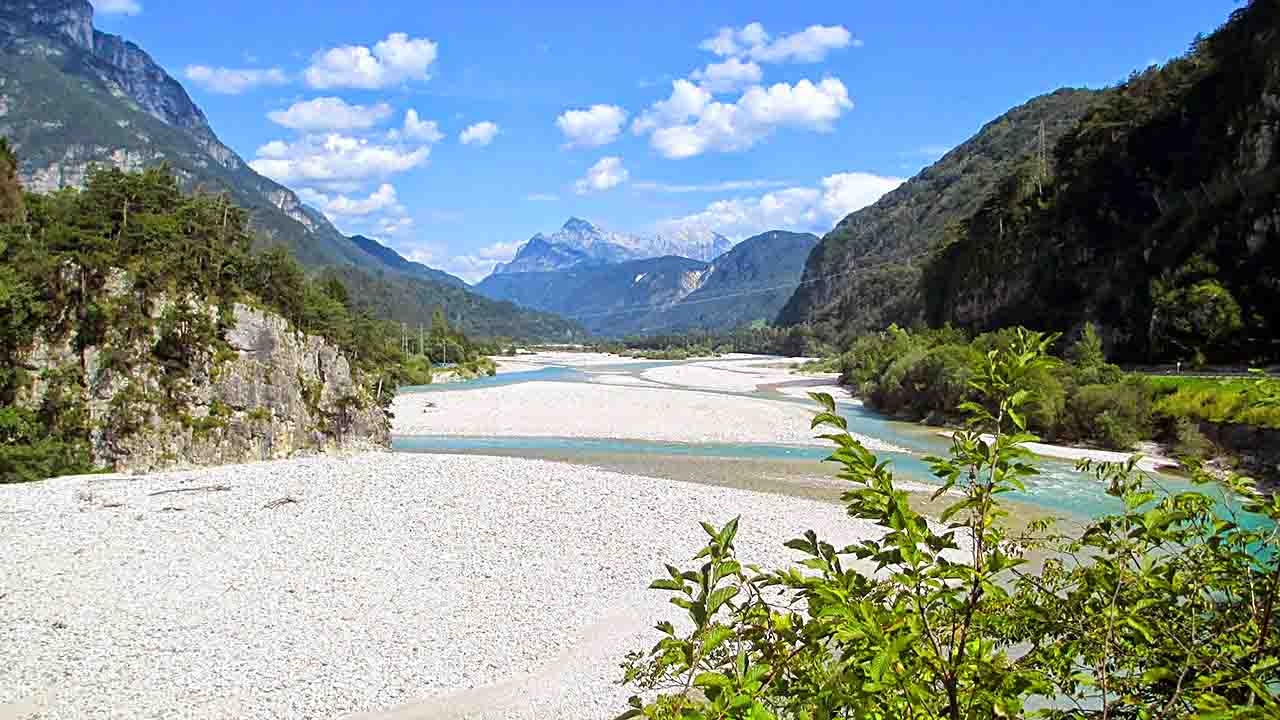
[74, 101]
[1081, 399]
[82, 274]
[757, 338]
[669, 294]
[1164, 610]
[865, 274]
[1157, 217]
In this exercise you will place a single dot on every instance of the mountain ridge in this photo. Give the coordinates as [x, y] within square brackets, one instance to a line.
[747, 283]
[73, 98]
[579, 242]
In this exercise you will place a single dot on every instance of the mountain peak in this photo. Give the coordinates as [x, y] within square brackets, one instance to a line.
[577, 224]
[68, 20]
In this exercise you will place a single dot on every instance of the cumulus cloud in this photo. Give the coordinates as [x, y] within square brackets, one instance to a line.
[117, 7]
[752, 42]
[481, 133]
[728, 76]
[381, 200]
[233, 81]
[415, 128]
[688, 123]
[844, 193]
[333, 160]
[606, 174]
[397, 59]
[597, 125]
[813, 209]
[472, 267]
[330, 113]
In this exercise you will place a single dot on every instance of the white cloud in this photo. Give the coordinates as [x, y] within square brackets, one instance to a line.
[814, 209]
[475, 266]
[481, 133]
[330, 113]
[397, 59]
[844, 193]
[606, 174]
[233, 81]
[333, 159]
[689, 124]
[117, 7]
[723, 186]
[415, 128]
[686, 101]
[597, 125]
[382, 199]
[752, 42]
[728, 76]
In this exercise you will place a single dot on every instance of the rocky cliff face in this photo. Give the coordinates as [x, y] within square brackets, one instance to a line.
[271, 393]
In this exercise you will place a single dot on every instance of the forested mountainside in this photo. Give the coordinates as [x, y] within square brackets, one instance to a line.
[1158, 217]
[72, 97]
[865, 274]
[395, 261]
[749, 283]
[139, 330]
[580, 243]
[667, 294]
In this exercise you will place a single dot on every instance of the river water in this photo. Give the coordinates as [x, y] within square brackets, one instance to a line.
[1059, 490]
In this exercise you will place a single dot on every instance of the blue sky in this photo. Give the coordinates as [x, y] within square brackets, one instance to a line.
[657, 116]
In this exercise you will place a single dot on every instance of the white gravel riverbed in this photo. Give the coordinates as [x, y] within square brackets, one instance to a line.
[591, 410]
[444, 586]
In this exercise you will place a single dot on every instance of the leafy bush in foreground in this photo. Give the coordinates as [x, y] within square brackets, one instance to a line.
[1166, 610]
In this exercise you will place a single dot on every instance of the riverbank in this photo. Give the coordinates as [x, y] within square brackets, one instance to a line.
[320, 587]
[591, 410]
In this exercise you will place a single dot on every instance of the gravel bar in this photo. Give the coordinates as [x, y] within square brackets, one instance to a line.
[404, 586]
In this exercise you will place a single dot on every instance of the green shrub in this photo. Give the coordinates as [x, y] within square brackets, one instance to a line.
[1115, 416]
[1164, 610]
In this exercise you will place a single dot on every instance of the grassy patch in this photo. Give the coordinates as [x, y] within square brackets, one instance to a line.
[1219, 400]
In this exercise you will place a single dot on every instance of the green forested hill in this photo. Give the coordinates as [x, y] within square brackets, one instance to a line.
[862, 276]
[749, 283]
[1158, 217]
[72, 98]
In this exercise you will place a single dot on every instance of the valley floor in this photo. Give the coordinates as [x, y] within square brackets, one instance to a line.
[433, 586]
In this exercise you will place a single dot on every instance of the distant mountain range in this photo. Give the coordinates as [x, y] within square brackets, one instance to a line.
[72, 97]
[580, 243]
[747, 283]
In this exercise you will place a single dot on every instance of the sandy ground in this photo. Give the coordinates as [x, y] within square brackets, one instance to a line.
[742, 373]
[1153, 463]
[586, 410]
[431, 586]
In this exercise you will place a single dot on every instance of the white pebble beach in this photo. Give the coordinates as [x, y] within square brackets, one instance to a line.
[406, 586]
